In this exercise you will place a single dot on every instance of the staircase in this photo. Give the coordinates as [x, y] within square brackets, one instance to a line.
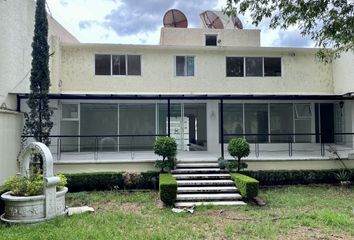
[204, 183]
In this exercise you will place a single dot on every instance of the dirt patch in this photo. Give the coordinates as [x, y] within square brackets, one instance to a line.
[128, 208]
[308, 233]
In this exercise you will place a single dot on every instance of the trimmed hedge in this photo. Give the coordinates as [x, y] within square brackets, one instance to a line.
[247, 186]
[168, 188]
[94, 181]
[292, 177]
[102, 181]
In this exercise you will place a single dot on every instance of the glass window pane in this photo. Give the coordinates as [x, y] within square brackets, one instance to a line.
[272, 66]
[254, 67]
[233, 120]
[69, 111]
[118, 62]
[303, 110]
[180, 65]
[98, 119]
[137, 119]
[134, 65]
[190, 66]
[67, 128]
[256, 122]
[102, 64]
[211, 40]
[281, 122]
[234, 67]
[303, 126]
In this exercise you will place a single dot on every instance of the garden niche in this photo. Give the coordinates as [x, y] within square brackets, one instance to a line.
[31, 209]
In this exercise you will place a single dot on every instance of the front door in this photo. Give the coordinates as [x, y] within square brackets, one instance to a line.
[327, 122]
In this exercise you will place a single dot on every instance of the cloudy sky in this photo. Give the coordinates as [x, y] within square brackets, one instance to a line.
[139, 21]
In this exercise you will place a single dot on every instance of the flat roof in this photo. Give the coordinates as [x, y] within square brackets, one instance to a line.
[197, 96]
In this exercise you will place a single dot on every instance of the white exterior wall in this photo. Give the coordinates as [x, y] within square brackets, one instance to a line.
[10, 142]
[16, 24]
[343, 73]
[301, 74]
[196, 37]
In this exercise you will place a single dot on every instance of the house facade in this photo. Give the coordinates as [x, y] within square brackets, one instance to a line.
[202, 86]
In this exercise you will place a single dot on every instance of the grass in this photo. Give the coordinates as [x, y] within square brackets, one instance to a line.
[295, 212]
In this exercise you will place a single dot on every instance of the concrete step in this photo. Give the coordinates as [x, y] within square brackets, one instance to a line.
[202, 176]
[204, 189]
[197, 165]
[216, 203]
[198, 161]
[196, 170]
[207, 196]
[224, 182]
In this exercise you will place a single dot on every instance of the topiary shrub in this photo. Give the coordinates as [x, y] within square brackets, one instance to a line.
[247, 186]
[168, 189]
[238, 148]
[166, 147]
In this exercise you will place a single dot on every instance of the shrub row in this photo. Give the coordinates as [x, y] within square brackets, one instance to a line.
[168, 188]
[111, 181]
[291, 177]
[247, 186]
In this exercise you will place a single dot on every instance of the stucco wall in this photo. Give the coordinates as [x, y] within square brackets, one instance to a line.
[16, 24]
[343, 73]
[196, 37]
[10, 133]
[301, 73]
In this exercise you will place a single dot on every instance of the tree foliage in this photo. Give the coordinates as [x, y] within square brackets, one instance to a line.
[330, 23]
[38, 121]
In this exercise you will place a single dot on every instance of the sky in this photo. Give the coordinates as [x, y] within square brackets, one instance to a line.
[139, 21]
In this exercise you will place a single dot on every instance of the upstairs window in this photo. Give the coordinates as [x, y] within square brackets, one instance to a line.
[102, 64]
[272, 66]
[211, 40]
[184, 66]
[254, 67]
[234, 67]
[118, 65]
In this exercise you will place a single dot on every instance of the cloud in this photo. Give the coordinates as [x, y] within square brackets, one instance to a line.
[292, 38]
[136, 16]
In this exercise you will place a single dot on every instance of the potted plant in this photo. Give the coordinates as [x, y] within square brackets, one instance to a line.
[344, 177]
[166, 147]
[25, 198]
[238, 148]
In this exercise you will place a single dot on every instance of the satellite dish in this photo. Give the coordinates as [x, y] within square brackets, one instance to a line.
[237, 22]
[175, 18]
[211, 20]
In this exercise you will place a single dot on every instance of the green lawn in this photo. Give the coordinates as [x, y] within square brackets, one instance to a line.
[297, 212]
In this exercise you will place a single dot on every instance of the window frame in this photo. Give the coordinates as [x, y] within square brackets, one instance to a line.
[126, 64]
[185, 66]
[281, 66]
[244, 67]
[211, 35]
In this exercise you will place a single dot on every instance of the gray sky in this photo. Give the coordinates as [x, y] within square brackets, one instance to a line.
[139, 21]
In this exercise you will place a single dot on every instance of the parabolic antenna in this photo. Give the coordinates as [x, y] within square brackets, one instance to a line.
[237, 22]
[175, 18]
[211, 20]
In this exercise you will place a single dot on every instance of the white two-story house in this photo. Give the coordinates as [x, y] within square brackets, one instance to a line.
[202, 86]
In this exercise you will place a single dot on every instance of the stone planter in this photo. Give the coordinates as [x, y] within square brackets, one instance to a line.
[345, 183]
[30, 209]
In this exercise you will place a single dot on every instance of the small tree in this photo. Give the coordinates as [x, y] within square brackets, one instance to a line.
[166, 147]
[38, 122]
[238, 148]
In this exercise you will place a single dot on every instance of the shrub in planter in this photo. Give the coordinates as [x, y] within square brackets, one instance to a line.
[238, 148]
[168, 188]
[30, 186]
[247, 186]
[166, 147]
[344, 177]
